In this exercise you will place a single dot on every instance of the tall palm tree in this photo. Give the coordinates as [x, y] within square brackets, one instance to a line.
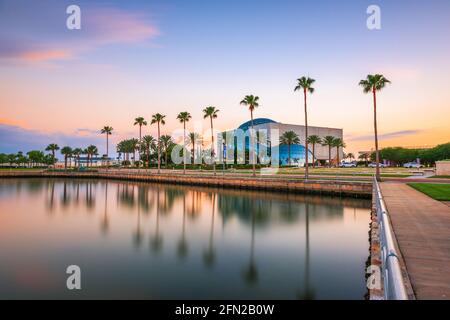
[374, 83]
[166, 143]
[149, 143]
[107, 130]
[140, 121]
[53, 147]
[313, 140]
[184, 117]
[251, 102]
[134, 145]
[328, 141]
[338, 143]
[159, 119]
[289, 138]
[66, 152]
[305, 84]
[193, 138]
[211, 112]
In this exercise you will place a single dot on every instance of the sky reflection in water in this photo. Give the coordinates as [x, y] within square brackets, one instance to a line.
[149, 241]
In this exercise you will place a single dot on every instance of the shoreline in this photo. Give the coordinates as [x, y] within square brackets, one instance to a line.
[355, 189]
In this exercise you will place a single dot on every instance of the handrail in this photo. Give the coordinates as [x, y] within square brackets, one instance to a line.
[394, 285]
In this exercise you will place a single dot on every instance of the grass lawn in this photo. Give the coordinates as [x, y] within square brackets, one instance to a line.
[436, 191]
[440, 177]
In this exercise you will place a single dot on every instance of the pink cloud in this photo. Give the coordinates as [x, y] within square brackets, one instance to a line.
[100, 27]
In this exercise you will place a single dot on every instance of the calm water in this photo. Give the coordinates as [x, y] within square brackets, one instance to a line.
[148, 241]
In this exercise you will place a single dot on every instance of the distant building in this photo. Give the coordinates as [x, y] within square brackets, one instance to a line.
[297, 151]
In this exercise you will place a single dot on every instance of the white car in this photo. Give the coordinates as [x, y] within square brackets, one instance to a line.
[413, 165]
[348, 165]
[374, 165]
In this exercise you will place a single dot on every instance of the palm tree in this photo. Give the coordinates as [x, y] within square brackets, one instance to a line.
[159, 119]
[149, 143]
[350, 156]
[328, 141]
[211, 112]
[76, 153]
[184, 117]
[289, 138]
[53, 147]
[251, 102]
[364, 156]
[134, 145]
[314, 139]
[91, 151]
[108, 131]
[305, 84]
[193, 137]
[338, 143]
[66, 152]
[166, 143]
[140, 121]
[374, 83]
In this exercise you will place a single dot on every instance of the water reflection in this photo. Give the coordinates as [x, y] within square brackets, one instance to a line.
[267, 241]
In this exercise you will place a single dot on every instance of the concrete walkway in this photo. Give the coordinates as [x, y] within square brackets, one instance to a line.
[422, 228]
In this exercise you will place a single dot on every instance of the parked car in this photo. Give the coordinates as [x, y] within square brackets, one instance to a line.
[374, 165]
[348, 165]
[413, 165]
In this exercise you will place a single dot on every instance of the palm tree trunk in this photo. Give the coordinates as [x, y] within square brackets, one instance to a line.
[306, 138]
[140, 140]
[65, 162]
[159, 150]
[212, 146]
[289, 154]
[337, 156]
[251, 138]
[184, 147]
[314, 155]
[329, 156]
[377, 155]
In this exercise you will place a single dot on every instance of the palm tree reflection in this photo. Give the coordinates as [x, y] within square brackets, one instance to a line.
[104, 226]
[182, 248]
[308, 293]
[251, 271]
[156, 241]
[209, 256]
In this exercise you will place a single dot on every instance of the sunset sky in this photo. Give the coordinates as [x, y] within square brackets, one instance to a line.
[135, 58]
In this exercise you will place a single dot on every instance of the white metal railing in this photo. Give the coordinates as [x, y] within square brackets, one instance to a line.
[394, 285]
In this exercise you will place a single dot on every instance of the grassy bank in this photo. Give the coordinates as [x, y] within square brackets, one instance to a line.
[436, 191]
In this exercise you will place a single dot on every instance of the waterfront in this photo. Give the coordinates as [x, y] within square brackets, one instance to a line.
[155, 241]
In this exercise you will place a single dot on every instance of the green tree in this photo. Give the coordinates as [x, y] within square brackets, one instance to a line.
[149, 143]
[77, 152]
[305, 84]
[338, 143]
[289, 138]
[91, 151]
[329, 142]
[193, 138]
[313, 140]
[184, 117]
[107, 130]
[166, 146]
[140, 121]
[374, 83]
[53, 147]
[251, 102]
[159, 119]
[350, 156]
[66, 152]
[35, 157]
[211, 113]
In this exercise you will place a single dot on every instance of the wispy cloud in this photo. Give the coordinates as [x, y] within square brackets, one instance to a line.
[101, 26]
[385, 136]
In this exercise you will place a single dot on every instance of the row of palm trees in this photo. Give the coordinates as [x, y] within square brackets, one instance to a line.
[290, 138]
[73, 153]
[372, 84]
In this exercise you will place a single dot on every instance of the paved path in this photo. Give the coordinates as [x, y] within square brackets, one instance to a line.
[422, 228]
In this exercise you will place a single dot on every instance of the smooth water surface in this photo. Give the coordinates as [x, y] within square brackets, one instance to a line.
[153, 241]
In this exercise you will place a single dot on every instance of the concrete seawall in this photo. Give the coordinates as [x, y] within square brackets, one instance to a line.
[356, 189]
